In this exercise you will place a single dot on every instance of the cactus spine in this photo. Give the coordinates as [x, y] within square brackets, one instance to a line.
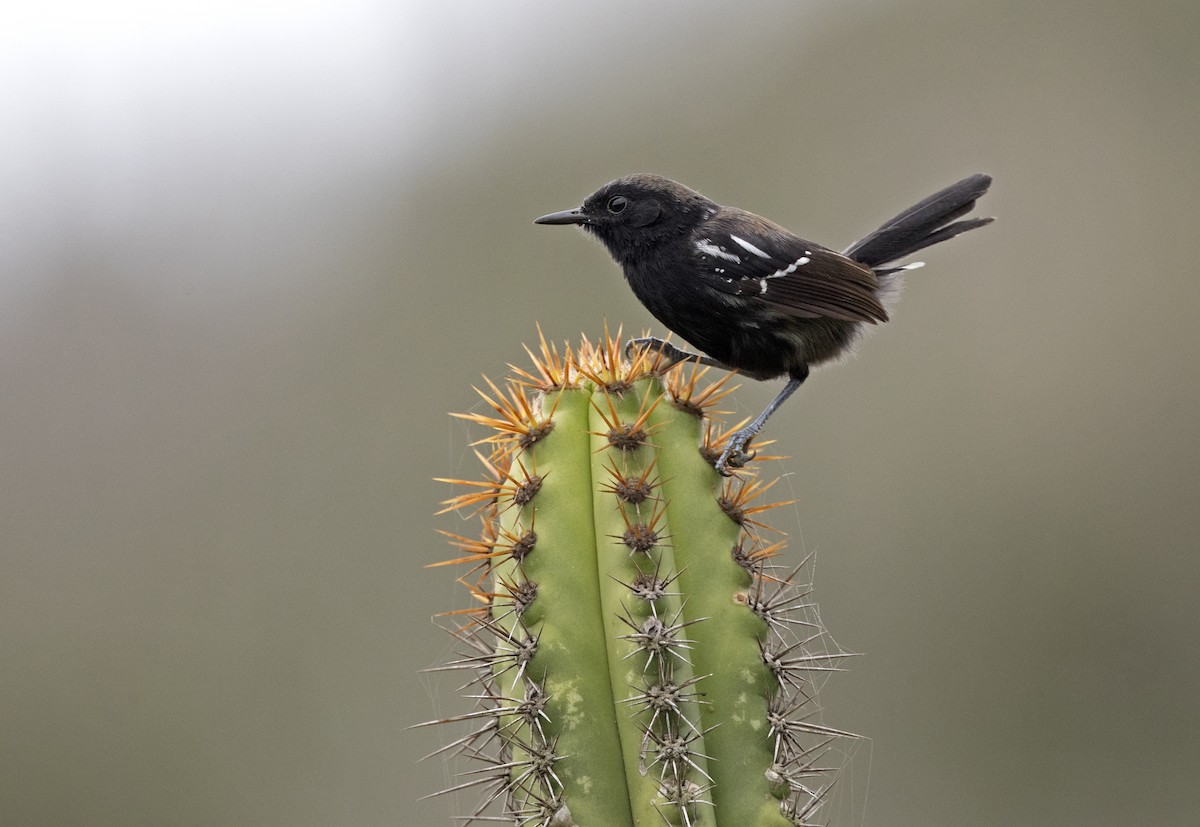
[634, 654]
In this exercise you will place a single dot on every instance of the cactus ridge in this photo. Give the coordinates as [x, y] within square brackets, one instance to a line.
[636, 654]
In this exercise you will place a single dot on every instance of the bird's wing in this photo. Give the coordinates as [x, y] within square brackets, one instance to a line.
[745, 255]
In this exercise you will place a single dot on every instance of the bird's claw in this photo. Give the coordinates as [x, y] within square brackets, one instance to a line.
[735, 457]
[668, 353]
[634, 345]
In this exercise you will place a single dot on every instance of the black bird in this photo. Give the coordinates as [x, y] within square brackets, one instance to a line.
[752, 296]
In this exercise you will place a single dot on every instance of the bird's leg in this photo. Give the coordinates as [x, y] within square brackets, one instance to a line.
[672, 355]
[734, 455]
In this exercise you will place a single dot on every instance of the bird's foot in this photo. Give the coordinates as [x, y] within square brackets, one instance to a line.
[670, 355]
[735, 456]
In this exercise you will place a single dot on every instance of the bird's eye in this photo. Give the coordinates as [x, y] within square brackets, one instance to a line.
[617, 204]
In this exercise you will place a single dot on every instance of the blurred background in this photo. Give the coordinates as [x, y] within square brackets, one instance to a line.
[251, 254]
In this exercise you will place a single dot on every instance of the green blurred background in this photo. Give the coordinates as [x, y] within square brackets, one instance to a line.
[252, 253]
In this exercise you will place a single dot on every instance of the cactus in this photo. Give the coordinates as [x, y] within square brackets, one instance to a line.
[636, 654]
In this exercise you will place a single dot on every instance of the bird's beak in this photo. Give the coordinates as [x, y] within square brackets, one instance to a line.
[574, 216]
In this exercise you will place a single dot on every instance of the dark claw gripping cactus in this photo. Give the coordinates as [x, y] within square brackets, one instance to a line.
[637, 656]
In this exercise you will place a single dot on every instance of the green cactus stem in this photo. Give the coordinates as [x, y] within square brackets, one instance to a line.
[637, 655]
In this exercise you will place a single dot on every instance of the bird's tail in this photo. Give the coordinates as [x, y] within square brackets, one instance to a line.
[922, 225]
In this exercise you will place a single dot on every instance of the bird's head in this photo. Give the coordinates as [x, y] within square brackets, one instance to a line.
[636, 213]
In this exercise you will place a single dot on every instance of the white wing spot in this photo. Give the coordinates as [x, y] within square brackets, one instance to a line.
[762, 283]
[707, 248]
[791, 268]
[748, 247]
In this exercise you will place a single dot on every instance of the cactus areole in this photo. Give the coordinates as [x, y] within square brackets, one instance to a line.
[637, 654]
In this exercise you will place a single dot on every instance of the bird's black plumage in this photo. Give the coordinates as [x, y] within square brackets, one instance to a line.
[748, 293]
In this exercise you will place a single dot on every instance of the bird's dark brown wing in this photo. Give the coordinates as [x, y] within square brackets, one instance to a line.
[745, 255]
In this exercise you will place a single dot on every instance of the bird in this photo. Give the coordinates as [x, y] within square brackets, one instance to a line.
[750, 295]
